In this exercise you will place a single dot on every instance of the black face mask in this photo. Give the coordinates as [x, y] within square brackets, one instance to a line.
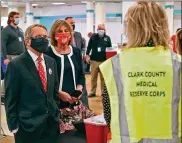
[73, 27]
[40, 44]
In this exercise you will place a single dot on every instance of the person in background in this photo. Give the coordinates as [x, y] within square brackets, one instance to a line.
[179, 42]
[12, 40]
[3, 69]
[173, 39]
[70, 73]
[87, 67]
[78, 42]
[147, 51]
[77, 36]
[122, 46]
[31, 85]
[90, 35]
[98, 44]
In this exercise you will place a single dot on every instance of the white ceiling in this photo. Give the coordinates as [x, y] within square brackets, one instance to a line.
[21, 3]
[42, 3]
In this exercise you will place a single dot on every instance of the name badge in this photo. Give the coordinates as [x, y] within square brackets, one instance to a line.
[20, 39]
[105, 39]
[50, 71]
[99, 49]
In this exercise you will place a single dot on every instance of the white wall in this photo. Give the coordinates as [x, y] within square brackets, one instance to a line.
[74, 9]
[177, 18]
[177, 23]
[60, 10]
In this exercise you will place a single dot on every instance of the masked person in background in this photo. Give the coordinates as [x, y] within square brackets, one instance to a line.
[173, 41]
[77, 36]
[98, 44]
[70, 74]
[12, 40]
[142, 96]
[179, 42]
[31, 84]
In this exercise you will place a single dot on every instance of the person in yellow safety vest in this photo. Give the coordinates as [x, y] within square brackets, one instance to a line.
[142, 95]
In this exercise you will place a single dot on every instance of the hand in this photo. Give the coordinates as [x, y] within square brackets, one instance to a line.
[88, 59]
[14, 134]
[6, 61]
[83, 57]
[65, 97]
[79, 88]
[74, 99]
[15, 131]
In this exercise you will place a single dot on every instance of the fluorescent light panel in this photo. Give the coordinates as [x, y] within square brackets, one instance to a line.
[34, 4]
[58, 3]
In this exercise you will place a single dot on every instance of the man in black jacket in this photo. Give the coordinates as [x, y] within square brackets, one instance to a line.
[78, 43]
[12, 40]
[31, 84]
[98, 44]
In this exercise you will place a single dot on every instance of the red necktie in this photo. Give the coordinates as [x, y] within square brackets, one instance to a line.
[42, 73]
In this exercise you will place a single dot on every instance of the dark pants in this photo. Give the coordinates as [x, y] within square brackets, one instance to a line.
[84, 97]
[2, 73]
[46, 133]
[72, 137]
[87, 68]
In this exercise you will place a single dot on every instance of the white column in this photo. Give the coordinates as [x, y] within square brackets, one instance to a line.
[29, 15]
[169, 7]
[100, 14]
[125, 7]
[90, 17]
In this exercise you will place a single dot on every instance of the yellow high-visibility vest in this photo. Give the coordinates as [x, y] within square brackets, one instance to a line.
[145, 95]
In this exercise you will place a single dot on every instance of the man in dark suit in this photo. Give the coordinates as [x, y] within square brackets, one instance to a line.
[77, 39]
[79, 43]
[31, 85]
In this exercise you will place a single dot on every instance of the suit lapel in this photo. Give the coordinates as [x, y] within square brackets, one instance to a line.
[49, 72]
[32, 68]
[75, 38]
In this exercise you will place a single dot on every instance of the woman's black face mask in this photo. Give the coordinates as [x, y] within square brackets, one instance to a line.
[40, 44]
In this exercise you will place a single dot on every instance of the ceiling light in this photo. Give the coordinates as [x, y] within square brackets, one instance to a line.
[58, 3]
[84, 1]
[34, 4]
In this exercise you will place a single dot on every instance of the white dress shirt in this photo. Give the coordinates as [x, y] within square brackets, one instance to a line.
[35, 59]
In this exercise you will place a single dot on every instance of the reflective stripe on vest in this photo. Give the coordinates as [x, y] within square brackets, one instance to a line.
[143, 119]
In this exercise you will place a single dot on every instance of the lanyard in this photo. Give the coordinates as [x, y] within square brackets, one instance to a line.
[17, 32]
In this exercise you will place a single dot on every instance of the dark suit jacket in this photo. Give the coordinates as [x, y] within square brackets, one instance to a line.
[79, 41]
[27, 105]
